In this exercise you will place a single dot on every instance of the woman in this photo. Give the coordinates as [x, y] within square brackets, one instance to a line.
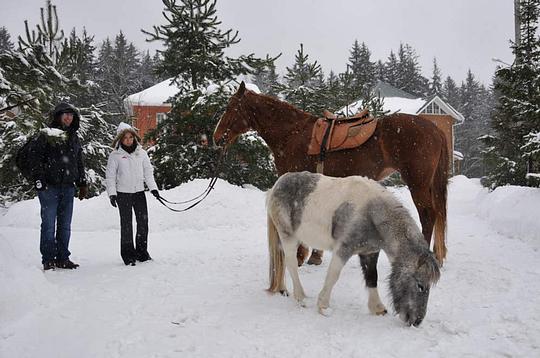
[128, 169]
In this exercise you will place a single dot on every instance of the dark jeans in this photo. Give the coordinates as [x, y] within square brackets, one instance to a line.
[56, 210]
[127, 203]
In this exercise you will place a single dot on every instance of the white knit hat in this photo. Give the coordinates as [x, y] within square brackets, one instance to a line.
[122, 127]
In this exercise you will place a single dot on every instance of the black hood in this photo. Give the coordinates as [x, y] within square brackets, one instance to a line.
[64, 107]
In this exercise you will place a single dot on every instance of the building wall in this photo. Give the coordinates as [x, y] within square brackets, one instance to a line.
[144, 117]
[445, 123]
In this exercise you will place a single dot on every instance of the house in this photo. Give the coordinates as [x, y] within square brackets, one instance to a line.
[148, 107]
[433, 108]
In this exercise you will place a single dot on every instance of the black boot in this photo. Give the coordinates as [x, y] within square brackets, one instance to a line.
[130, 262]
[49, 265]
[67, 264]
[143, 257]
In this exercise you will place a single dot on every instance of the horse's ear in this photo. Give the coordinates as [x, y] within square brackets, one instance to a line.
[241, 89]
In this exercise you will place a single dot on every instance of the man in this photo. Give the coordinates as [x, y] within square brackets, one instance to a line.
[57, 167]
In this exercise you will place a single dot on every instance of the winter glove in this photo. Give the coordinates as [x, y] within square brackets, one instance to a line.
[83, 192]
[113, 200]
[155, 193]
[39, 185]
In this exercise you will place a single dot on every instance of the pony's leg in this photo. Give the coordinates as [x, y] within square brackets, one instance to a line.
[369, 269]
[289, 249]
[332, 275]
[316, 257]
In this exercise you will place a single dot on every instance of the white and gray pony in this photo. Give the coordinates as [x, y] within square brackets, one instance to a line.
[349, 216]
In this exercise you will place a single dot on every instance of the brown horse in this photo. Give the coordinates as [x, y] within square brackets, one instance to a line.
[409, 144]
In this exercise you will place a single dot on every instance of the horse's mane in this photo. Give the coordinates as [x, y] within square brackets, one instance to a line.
[276, 102]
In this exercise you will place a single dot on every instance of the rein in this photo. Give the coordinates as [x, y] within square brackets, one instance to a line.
[199, 197]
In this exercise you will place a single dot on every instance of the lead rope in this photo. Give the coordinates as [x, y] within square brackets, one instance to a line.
[201, 196]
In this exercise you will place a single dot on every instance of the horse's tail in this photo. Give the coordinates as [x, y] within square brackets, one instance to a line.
[276, 259]
[439, 197]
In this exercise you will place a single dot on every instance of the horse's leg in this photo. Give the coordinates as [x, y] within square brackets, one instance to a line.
[369, 269]
[332, 275]
[301, 254]
[289, 249]
[316, 257]
[426, 212]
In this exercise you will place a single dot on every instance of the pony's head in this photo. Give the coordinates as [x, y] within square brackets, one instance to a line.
[410, 281]
[234, 121]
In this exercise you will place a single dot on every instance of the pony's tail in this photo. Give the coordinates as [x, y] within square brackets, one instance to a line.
[439, 197]
[276, 260]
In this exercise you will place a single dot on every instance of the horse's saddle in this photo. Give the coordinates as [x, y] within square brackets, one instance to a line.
[331, 133]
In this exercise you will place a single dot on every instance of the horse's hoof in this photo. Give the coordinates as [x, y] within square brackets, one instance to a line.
[381, 313]
[284, 293]
[314, 261]
[301, 303]
[327, 312]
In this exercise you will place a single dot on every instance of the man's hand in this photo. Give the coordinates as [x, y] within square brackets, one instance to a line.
[83, 192]
[39, 185]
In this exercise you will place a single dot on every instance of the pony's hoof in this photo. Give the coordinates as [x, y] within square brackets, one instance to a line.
[327, 312]
[284, 293]
[301, 303]
[378, 310]
[314, 260]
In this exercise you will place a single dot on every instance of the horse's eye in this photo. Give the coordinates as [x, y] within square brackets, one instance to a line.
[420, 287]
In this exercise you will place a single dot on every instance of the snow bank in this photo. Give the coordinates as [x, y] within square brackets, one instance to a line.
[514, 211]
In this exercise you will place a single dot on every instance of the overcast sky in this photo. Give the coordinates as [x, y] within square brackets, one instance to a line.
[461, 34]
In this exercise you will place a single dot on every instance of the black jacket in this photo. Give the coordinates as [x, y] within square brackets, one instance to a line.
[60, 162]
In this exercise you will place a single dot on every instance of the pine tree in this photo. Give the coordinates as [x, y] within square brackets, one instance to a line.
[345, 90]
[44, 70]
[301, 83]
[475, 107]
[380, 71]
[362, 70]
[272, 79]
[121, 73]
[147, 76]
[321, 95]
[511, 155]
[435, 85]
[409, 77]
[5, 40]
[196, 53]
[194, 58]
[450, 92]
[392, 70]
[267, 80]
[334, 99]
[46, 34]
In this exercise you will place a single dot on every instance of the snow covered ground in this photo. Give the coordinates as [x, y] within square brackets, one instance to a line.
[203, 294]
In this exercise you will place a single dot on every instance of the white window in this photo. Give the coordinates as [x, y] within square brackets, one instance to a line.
[433, 108]
[160, 117]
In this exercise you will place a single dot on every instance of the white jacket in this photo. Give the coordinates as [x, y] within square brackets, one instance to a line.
[127, 173]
